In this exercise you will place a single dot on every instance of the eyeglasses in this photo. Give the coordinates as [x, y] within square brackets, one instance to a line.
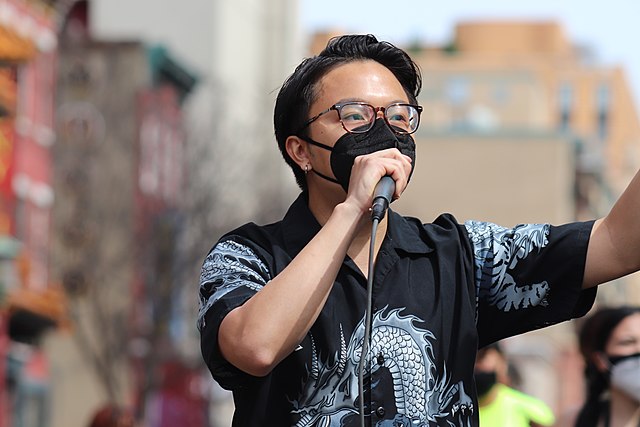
[359, 117]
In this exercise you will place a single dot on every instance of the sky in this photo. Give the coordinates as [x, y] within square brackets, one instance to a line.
[611, 29]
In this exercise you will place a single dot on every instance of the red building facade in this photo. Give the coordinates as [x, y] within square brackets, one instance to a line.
[28, 303]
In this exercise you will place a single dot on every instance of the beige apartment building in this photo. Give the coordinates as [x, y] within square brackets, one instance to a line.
[522, 125]
[542, 131]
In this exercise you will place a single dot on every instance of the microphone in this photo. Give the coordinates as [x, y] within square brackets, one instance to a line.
[382, 197]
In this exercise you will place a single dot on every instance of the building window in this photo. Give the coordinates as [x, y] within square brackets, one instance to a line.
[500, 93]
[603, 106]
[457, 94]
[457, 90]
[565, 105]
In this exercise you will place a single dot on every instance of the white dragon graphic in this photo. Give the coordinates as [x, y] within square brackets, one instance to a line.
[497, 251]
[226, 268]
[330, 393]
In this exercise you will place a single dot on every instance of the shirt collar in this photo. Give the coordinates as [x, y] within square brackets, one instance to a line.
[404, 235]
[300, 226]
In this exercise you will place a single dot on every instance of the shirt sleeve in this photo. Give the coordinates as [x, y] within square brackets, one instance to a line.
[529, 276]
[231, 274]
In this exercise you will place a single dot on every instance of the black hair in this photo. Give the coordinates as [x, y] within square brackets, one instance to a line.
[299, 90]
[593, 337]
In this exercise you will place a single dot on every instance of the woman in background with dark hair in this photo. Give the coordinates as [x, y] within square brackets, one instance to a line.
[610, 345]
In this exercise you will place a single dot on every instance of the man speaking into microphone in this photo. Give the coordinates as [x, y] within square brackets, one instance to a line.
[283, 307]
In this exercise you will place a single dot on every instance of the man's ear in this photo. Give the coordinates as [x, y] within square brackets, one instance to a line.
[298, 150]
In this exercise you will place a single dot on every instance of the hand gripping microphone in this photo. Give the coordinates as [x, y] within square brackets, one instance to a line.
[382, 197]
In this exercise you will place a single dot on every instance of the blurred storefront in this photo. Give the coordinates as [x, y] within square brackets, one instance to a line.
[30, 314]
[30, 305]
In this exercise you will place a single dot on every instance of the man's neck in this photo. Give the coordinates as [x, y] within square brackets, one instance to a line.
[322, 207]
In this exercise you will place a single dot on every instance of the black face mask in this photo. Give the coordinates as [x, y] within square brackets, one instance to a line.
[484, 382]
[352, 145]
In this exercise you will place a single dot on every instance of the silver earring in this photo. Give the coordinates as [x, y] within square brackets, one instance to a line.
[306, 169]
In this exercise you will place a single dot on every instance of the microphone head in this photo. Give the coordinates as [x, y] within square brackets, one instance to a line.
[382, 196]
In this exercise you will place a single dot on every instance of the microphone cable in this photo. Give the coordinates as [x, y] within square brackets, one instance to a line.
[368, 316]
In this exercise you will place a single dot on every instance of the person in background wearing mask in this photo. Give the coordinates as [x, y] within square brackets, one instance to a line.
[610, 344]
[284, 315]
[499, 404]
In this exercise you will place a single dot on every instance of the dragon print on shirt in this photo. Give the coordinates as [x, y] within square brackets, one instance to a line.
[227, 267]
[497, 251]
[422, 397]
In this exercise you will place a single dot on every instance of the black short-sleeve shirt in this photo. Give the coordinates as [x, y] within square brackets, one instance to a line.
[440, 291]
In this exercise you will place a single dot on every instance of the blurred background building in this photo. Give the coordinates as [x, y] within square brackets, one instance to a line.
[31, 303]
[118, 178]
[121, 163]
[107, 193]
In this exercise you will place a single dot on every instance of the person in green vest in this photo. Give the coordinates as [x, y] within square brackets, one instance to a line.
[501, 405]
